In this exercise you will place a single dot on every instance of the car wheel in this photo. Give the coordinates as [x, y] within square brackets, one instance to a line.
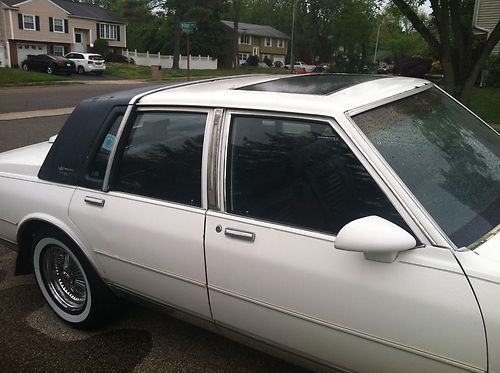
[26, 67]
[50, 70]
[80, 70]
[69, 283]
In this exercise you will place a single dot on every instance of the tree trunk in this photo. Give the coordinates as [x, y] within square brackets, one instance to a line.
[493, 40]
[177, 37]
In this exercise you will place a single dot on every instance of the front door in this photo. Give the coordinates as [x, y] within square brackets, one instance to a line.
[79, 42]
[147, 231]
[273, 272]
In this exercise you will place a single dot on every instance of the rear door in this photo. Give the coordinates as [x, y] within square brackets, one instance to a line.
[288, 184]
[147, 231]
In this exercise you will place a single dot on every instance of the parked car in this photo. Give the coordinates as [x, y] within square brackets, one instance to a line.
[351, 220]
[48, 63]
[301, 67]
[87, 62]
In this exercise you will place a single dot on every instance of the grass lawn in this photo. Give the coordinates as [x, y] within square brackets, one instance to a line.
[144, 72]
[17, 77]
[485, 102]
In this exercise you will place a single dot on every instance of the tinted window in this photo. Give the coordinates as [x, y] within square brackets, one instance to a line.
[162, 157]
[98, 167]
[299, 173]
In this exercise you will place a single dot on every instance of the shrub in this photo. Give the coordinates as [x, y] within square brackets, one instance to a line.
[493, 71]
[101, 46]
[267, 61]
[252, 60]
[415, 67]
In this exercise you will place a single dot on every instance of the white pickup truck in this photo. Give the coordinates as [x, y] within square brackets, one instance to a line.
[299, 65]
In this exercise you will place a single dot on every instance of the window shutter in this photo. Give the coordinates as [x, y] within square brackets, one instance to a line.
[98, 35]
[118, 33]
[20, 19]
[51, 24]
[37, 23]
[66, 28]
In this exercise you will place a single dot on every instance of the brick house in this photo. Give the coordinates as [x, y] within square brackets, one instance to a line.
[54, 27]
[260, 40]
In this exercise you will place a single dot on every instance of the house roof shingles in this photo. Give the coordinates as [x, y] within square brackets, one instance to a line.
[78, 10]
[258, 30]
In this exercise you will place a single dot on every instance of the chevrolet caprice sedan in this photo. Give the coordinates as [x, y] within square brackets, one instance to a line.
[349, 220]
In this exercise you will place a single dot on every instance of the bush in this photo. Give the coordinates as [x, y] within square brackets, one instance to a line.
[101, 47]
[267, 61]
[415, 67]
[493, 71]
[252, 60]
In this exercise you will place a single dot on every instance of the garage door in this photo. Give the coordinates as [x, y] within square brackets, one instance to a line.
[23, 50]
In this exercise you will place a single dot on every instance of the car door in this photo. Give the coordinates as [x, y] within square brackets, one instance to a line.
[286, 187]
[146, 232]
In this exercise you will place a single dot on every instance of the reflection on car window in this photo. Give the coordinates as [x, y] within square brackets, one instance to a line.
[98, 167]
[299, 173]
[446, 156]
[162, 158]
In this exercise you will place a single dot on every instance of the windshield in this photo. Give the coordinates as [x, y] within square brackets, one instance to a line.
[447, 157]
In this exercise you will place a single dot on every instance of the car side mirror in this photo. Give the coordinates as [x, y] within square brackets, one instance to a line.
[376, 237]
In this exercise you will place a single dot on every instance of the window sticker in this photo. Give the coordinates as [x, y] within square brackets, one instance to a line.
[108, 142]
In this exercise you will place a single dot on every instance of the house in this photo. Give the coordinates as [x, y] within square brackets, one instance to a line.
[260, 40]
[486, 17]
[54, 27]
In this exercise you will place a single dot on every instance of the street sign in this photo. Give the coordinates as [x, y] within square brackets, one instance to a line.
[188, 27]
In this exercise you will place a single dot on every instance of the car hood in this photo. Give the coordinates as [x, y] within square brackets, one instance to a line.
[25, 161]
[491, 248]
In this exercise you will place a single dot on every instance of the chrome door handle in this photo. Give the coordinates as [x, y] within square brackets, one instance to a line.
[242, 235]
[94, 201]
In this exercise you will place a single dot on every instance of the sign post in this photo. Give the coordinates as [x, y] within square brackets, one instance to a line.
[188, 28]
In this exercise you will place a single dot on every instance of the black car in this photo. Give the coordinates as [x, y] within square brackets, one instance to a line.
[49, 64]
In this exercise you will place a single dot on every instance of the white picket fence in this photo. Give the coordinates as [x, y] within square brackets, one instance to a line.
[148, 59]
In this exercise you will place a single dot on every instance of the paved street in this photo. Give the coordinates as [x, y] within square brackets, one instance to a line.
[141, 339]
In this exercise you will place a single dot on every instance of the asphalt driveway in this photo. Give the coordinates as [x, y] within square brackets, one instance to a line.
[32, 339]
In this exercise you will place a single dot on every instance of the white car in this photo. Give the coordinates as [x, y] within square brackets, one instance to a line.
[351, 221]
[87, 62]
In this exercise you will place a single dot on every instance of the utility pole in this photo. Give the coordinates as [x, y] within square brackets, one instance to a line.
[293, 27]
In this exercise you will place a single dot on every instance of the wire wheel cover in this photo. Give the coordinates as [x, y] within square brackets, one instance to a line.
[63, 277]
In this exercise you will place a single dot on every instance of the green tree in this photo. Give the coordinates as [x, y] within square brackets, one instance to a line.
[451, 38]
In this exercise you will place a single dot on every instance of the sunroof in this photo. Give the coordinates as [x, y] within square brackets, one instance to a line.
[312, 84]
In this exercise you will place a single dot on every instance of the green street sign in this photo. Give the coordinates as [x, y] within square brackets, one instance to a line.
[188, 27]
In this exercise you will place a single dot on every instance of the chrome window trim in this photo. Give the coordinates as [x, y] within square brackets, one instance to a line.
[387, 100]
[214, 159]
[399, 204]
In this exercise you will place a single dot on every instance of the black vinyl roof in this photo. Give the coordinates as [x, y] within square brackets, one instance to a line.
[312, 84]
[67, 158]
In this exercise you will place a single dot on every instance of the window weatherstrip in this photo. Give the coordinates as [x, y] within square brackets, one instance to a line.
[105, 184]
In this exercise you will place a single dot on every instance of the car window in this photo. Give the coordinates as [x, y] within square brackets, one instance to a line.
[98, 166]
[95, 57]
[79, 56]
[162, 157]
[446, 156]
[299, 173]
[69, 55]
